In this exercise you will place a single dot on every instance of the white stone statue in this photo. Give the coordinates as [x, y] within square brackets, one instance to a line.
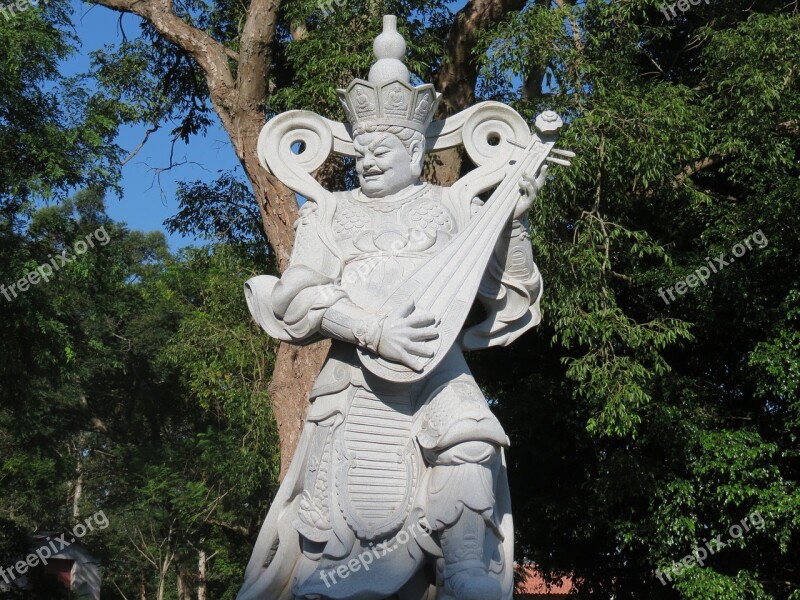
[398, 487]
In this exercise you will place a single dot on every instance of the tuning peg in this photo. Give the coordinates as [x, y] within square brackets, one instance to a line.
[548, 123]
[566, 153]
[558, 161]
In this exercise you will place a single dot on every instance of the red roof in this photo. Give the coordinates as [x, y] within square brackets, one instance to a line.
[532, 582]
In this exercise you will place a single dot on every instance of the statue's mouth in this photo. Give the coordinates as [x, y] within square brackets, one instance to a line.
[372, 174]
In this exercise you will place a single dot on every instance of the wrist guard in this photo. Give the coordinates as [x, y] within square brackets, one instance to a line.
[350, 323]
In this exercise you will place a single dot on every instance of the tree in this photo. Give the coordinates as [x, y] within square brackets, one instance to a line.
[133, 383]
[662, 415]
[94, 413]
[54, 135]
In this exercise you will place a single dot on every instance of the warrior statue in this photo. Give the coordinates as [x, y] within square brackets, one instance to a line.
[398, 486]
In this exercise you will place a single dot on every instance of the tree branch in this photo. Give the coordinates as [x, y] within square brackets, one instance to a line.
[459, 73]
[575, 30]
[255, 53]
[696, 167]
[790, 128]
[233, 528]
[147, 134]
[211, 56]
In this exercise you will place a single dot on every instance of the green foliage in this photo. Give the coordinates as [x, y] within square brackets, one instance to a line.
[337, 47]
[98, 410]
[658, 425]
[224, 211]
[54, 136]
[225, 362]
[140, 375]
[205, 478]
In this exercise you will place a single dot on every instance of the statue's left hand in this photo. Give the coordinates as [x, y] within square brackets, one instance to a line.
[403, 335]
[528, 188]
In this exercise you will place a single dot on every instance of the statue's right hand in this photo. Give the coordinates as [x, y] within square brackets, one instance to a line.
[403, 335]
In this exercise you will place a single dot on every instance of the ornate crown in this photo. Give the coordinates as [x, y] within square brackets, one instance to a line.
[388, 98]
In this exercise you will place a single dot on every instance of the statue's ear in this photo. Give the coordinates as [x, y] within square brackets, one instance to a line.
[417, 152]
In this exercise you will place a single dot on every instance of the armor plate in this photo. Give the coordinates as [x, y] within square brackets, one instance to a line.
[376, 464]
[382, 243]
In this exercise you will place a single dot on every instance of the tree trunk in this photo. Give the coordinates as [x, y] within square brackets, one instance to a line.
[184, 589]
[160, 590]
[296, 368]
[444, 167]
[277, 203]
[202, 590]
[458, 75]
[162, 576]
[78, 493]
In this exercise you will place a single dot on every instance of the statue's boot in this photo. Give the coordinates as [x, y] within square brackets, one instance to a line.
[465, 573]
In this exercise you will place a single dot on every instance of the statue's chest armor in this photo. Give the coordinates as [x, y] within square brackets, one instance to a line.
[410, 225]
[383, 243]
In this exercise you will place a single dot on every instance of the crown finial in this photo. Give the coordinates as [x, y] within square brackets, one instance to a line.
[390, 50]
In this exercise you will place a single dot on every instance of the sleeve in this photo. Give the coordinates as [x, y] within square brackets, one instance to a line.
[510, 291]
[291, 308]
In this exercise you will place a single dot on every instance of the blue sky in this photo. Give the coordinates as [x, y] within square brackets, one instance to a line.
[146, 202]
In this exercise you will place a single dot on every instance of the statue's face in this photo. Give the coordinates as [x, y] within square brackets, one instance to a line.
[384, 165]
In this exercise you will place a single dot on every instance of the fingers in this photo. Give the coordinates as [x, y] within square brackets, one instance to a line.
[527, 186]
[413, 363]
[530, 186]
[540, 180]
[527, 189]
[420, 319]
[418, 349]
[423, 334]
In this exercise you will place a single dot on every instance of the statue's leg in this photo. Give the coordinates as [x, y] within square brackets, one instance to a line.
[461, 508]
[461, 440]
